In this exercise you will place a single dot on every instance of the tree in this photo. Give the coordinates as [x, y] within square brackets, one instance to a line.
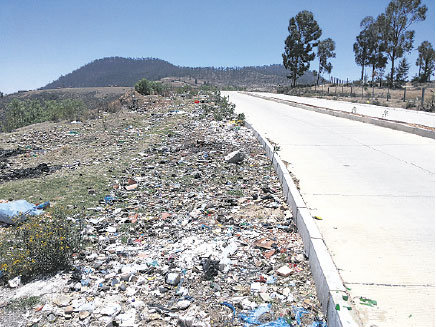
[425, 61]
[377, 45]
[369, 46]
[304, 32]
[401, 73]
[395, 23]
[326, 50]
[361, 51]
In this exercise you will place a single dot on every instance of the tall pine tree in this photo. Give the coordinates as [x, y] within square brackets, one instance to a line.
[304, 33]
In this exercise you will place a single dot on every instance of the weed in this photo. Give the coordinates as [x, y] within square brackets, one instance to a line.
[23, 303]
[40, 245]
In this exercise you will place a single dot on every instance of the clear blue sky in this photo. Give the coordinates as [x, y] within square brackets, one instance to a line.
[40, 40]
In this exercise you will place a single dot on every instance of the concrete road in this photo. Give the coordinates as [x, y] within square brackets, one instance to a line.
[374, 188]
[394, 114]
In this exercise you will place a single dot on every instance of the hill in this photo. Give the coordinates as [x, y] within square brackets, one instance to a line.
[118, 71]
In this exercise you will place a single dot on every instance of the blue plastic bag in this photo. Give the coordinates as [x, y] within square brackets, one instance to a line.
[252, 317]
[13, 209]
[281, 322]
[319, 324]
[299, 312]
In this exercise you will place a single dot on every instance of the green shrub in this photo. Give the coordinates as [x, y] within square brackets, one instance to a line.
[146, 87]
[40, 245]
[21, 113]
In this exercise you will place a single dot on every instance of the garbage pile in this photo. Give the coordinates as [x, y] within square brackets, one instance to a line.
[195, 232]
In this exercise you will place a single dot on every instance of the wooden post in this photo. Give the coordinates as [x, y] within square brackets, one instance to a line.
[404, 96]
[328, 90]
[422, 97]
[351, 92]
[387, 95]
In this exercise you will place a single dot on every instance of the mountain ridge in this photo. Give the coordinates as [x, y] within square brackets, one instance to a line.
[120, 71]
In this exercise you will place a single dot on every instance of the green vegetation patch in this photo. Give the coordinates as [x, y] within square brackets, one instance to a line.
[21, 113]
[40, 245]
[83, 187]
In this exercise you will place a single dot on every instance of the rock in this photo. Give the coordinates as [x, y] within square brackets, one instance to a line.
[111, 309]
[265, 297]
[234, 157]
[62, 300]
[284, 271]
[182, 305]
[84, 314]
[173, 278]
[131, 187]
[68, 310]
[14, 283]
[286, 291]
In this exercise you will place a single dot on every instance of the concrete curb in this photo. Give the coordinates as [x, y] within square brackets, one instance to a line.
[329, 286]
[395, 125]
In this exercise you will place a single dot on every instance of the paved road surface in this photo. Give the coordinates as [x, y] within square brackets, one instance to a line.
[374, 188]
[396, 114]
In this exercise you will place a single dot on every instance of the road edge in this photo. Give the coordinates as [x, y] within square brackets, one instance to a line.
[395, 125]
[330, 289]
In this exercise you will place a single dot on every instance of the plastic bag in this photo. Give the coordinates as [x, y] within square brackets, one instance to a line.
[10, 210]
[252, 317]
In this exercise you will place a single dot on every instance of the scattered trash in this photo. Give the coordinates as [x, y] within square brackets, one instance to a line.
[367, 302]
[43, 205]
[299, 312]
[180, 233]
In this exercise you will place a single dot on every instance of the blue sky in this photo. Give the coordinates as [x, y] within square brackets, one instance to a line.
[40, 40]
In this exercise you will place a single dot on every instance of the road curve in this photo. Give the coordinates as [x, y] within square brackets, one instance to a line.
[374, 188]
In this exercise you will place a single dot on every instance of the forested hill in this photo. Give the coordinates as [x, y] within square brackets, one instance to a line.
[118, 71]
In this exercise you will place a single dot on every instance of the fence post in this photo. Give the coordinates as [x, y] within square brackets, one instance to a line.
[422, 97]
[351, 92]
[328, 90]
[404, 96]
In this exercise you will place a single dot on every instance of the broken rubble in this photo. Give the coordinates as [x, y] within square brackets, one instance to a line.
[185, 237]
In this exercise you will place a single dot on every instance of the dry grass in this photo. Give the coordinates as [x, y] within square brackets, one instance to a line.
[378, 96]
